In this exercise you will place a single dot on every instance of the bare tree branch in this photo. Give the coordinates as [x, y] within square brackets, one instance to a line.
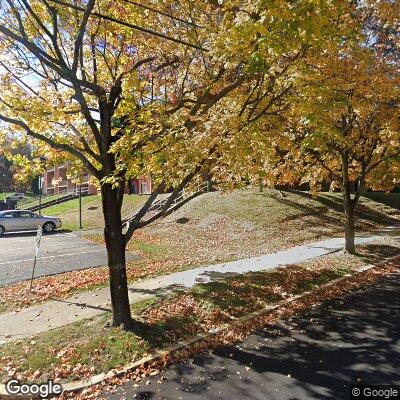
[81, 32]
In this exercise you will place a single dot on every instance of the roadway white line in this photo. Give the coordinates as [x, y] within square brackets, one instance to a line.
[45, 246]
[43, 249]
[15, 240]
[22, 238]
[55, 256]
[54, 236]
[32, 239]
[18, 232]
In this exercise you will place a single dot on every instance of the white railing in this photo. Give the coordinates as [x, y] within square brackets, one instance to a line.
[74, 191]
[34, 201]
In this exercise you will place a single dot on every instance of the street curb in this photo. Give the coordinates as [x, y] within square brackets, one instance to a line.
[156, 356]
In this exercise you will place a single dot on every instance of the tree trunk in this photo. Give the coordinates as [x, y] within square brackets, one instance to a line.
[348, 204]
[115, 243]
[349, 229]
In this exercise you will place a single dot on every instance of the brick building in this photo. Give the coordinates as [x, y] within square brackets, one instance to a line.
[139, 186]
[56, 182]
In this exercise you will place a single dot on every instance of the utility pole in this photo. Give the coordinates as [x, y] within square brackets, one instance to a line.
[80, 206]
[4, 187]
[40, 194]
[43, 160]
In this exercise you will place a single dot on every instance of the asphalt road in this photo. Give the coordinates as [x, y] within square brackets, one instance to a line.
[59, 252]
[314, 356]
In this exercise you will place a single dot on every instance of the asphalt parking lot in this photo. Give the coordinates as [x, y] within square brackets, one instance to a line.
[59, 252]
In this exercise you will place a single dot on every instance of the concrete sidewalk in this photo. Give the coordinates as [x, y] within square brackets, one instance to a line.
[57, 313]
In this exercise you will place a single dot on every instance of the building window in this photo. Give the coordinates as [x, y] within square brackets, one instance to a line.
[143, 186]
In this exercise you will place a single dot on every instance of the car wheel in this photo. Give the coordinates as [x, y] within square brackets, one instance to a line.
[49, 227]
[2, 230]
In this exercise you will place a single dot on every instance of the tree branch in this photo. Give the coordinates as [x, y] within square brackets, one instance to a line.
[134, 223]
[58, 146]
[132, 26]
[81, 32]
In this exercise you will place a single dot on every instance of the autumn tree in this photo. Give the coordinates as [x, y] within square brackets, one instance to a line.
[343, 128]
[122, 88]
[5, 174]
[10, 149]
[381, 22]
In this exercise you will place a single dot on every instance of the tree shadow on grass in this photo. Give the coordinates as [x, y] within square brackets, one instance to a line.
[368, 215]
[165, 333]
[244, 293]
[391, 200]
[329, 214]
[373, 253]
[154, 335]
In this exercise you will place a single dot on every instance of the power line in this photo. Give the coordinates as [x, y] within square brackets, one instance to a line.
[162, 13]
[132, 26]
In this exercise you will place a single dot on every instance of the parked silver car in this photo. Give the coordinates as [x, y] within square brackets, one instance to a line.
[20, 220]
[16, 196]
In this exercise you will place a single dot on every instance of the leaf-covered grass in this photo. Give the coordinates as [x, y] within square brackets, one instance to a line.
[88, 347]
[244, 223]
[211, 304]
[71, 352]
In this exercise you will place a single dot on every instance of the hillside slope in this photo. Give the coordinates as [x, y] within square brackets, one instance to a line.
[222, 226]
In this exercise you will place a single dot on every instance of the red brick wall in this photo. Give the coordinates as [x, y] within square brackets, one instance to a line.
[141, 185]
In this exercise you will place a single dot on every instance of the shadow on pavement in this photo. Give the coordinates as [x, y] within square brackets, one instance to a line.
[317, 355]
[83, 305]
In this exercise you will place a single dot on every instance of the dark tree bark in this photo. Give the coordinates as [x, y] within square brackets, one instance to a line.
[349, 206]
[349, 225]
[115, 244]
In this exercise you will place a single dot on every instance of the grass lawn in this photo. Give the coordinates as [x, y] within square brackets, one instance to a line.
[4, 195]
[390, 200]
[88, 347]
[34, 201]
[92, 215]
